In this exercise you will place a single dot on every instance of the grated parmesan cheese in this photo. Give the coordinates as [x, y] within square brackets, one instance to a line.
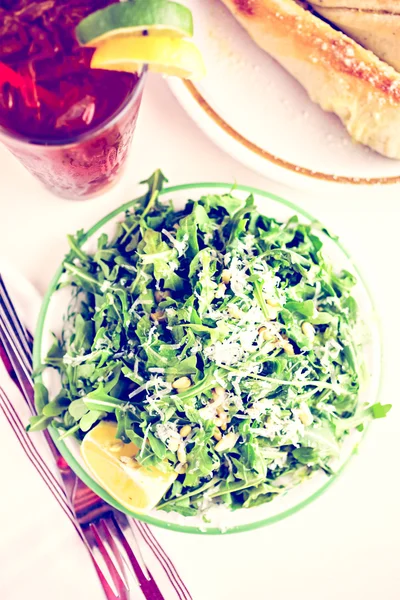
[167, 431]
[105, 286]
[180, 246]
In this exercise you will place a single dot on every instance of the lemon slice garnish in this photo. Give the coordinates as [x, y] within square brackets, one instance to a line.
[171, 56]
[113, 465]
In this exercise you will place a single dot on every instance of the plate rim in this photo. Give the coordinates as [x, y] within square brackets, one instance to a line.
[296, 172]
[85, 476]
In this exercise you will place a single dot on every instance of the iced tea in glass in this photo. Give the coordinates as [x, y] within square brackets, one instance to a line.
[70, 125]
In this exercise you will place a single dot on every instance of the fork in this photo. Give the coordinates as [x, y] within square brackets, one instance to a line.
[105, 531]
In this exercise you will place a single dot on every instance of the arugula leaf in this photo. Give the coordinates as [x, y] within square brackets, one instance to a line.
[379, 411]
[306, 308]
[99, 400]
[203, 268]
[190, 226]
[38, 423]
[89, 419]
[41, 396]
[363, 415]
[157, 446]
[156, 183]
[77, 409]
[305, 455]
[57, 406]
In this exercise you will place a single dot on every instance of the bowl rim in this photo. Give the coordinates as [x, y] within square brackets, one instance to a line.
[84, 475]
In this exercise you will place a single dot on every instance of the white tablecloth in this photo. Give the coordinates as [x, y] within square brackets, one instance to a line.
[346, 544]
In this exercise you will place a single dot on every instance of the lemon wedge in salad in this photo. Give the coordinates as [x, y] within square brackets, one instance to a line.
[113, 465]
[170, 56]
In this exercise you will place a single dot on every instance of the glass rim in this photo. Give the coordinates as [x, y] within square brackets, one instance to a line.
[151, 518]
[85, 136]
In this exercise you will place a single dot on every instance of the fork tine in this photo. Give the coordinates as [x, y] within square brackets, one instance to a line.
[9, 308]
[119, 552]
[117, 539]
[14, 338]
[101, 558]
[19, 370]
[12, 332]
[13, 335]
[126, 530]
[148, 585]
[109, 593]
[110, 556]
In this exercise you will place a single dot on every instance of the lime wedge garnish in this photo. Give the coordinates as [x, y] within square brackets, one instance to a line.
[170, 56]
[156, 17]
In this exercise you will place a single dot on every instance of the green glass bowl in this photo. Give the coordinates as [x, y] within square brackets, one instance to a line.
[51, 318]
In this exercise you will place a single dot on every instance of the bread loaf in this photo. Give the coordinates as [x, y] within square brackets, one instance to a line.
[338, 73]
[366, 22]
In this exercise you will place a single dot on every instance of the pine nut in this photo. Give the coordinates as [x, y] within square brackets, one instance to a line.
[218, 395]
[288, 348]
[218, 422]
[180, 469]
[219, 390]
[272, 313]
[226, 276]
[128, 461]
[220, 291]
[234, 311]
[305, 414]
[185, 430]
[183, 383]
[266, 335]
[308, 330]
[181, 454]
[158, 316]
[161, 295]
[116, 446]
[224, 426]
[273, 303]
[173, 444]
[227, 442]
[217, 435]
[222, 413]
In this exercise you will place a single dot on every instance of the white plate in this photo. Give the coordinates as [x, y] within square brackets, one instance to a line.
[51, 321]
[260, 115]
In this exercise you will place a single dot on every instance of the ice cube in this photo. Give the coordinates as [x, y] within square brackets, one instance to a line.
[82, 110]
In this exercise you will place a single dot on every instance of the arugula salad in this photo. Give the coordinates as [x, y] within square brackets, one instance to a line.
[221, 341]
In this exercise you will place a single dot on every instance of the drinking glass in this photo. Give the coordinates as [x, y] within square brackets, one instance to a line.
[83, 166]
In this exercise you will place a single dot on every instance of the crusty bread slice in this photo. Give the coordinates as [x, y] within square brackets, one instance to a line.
[377, 31]
[390, 6]
[337, 72]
